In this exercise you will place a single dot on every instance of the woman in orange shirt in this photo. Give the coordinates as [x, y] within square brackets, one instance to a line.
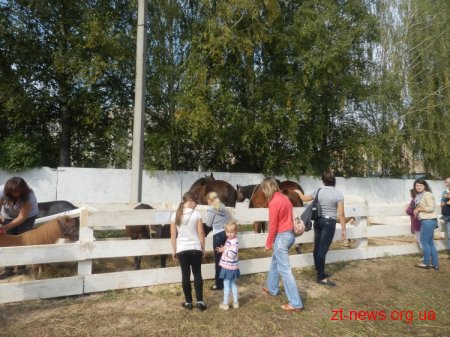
[281, 237]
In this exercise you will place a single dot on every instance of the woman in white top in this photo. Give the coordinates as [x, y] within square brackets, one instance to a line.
[189, 247]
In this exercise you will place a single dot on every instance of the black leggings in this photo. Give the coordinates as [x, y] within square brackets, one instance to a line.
[191, 259]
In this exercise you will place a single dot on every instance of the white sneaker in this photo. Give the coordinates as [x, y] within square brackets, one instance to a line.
[224, 306]
[236, 305]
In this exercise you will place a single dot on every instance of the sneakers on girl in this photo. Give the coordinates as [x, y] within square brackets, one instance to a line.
[187, 305]
[224, 306]
[201, 306]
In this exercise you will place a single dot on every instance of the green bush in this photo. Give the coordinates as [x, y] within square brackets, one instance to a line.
[19, 153]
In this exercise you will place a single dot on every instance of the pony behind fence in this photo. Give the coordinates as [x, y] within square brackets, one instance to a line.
[144, 232]
[47, 233]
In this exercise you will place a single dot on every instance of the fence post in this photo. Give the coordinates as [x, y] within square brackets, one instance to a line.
[362, 242]
[86, 237]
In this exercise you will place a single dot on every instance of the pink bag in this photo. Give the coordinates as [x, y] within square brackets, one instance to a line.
[415, 223]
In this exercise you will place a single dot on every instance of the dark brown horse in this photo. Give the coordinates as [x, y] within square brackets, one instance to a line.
[225, 191]
[143, 232]
[257, 199]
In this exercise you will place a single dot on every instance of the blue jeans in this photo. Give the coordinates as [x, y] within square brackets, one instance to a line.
[324, 230]
[280, 266]
[230, 285]
[427, 228]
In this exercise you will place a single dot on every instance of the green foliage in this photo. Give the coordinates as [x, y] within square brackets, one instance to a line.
[427, 118]
[67, 71]
[269, 100]
[18, 153]
[276, 87]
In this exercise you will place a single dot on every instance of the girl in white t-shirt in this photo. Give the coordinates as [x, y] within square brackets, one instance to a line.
[189, 247]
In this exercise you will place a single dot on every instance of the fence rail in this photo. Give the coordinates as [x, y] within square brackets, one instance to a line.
[392, 223]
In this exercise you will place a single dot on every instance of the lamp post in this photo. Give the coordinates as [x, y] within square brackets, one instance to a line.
[139, 104]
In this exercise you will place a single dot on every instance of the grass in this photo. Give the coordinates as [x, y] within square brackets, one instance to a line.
[408, 297]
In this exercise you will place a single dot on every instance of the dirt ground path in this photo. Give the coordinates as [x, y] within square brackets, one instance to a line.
[380, 297]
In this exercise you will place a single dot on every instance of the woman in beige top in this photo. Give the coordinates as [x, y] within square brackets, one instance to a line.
[425, 211]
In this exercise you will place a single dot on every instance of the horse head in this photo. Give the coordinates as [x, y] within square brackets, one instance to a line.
[240, 196]
[69, 228]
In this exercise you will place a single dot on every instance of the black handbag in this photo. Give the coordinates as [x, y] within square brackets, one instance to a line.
[311, 213]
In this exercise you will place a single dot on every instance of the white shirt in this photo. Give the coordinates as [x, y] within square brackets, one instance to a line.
[188, 238]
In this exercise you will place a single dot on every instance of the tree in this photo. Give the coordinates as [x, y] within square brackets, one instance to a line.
[71, 63]
[427, 119]
[262, 92]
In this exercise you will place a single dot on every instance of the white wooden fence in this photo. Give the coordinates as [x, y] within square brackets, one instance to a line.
[376, 221]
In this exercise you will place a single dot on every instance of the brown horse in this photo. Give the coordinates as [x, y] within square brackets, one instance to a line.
[287, 188]
[143, 232]
[45, 234]
[225, 191]
[258, 200]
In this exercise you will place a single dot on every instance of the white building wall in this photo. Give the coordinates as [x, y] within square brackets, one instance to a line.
[90, 185]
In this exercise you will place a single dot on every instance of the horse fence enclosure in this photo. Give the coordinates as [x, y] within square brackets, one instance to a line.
[376, 221]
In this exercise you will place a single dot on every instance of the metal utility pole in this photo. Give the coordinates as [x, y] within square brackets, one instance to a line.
[139, 104]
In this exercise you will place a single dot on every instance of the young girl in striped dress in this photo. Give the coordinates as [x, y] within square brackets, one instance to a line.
[230, 265]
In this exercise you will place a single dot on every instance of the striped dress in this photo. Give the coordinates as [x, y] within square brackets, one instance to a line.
[229, 260]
